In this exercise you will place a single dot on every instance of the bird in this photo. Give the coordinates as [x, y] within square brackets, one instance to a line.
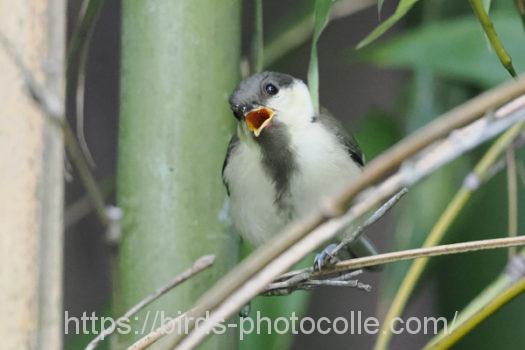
[284, 159]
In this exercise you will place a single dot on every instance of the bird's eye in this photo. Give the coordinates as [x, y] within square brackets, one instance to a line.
[271, 89]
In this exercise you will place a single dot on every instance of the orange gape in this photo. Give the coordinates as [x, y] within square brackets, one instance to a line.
[256, 118]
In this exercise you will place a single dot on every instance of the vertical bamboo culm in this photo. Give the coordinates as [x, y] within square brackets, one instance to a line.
[180, 61]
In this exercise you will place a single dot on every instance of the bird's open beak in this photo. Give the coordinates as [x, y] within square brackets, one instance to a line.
[258, 118]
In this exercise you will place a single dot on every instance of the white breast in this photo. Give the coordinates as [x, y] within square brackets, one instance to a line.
[323, 168]
[252, 195]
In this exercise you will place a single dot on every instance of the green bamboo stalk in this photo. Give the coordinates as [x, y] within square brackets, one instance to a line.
[490, 31]
[180, 62]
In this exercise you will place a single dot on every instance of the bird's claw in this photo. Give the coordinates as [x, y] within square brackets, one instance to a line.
[325, 258]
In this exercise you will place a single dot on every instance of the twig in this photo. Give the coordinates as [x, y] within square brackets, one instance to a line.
[201, 264]
[488, 27]
[54, 111]
[445, 249]
[47, 101]
[272, 259]
[512, 192]
[295, 280]
[85, 174]
[76, 66]
[152, 337]
[483, 171]
[370, 221]
[302, 280]
[83, 206]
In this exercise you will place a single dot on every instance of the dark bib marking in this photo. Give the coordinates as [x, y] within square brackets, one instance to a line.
[279, 162]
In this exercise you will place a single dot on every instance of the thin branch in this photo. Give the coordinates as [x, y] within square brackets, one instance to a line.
[370, 221]
[167, 328]
[332, 258]
[200, 264]
[512, 193]
[483, 171]
[50, 104]
[488, 27]
[284, 249]
[76, 66]
[296, 280]
[347, 266]
[85, 174]
[54, 110]
[409, 254]
[83, 206]
[303, 281]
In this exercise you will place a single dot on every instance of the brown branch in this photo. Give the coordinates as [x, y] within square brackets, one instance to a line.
[303, 281]
[152, 337]
[201, 264]
[290, 282]
[409, 254]
[370, 221]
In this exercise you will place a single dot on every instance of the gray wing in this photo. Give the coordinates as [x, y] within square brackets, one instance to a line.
[345, 137]
[231, 145]
[362, 246]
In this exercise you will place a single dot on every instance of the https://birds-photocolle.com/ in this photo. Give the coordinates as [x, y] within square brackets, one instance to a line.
[284, 159]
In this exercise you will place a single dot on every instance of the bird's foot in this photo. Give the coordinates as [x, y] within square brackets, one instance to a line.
[325, 258]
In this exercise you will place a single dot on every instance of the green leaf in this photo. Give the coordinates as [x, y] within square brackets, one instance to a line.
[491, 34]
[402, 8]
[257, 54]
[453, 48]
[321, 15]
[486, 5]
[380, 4]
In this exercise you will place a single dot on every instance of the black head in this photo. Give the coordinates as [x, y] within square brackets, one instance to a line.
[255, 90]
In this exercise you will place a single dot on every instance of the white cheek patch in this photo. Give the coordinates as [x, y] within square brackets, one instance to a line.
[293, 105]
